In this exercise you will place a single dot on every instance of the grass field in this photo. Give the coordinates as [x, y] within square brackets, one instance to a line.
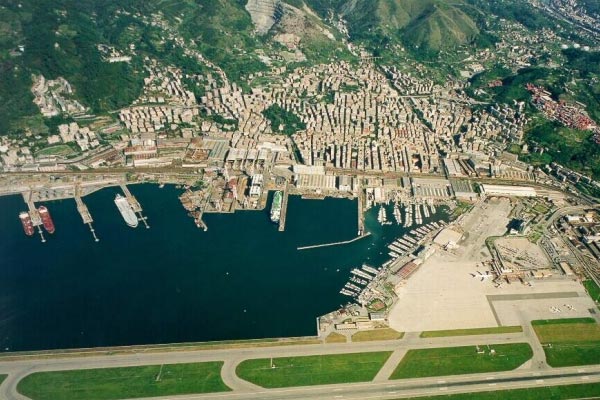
[2, 378]
[377, 334]
[461, 360]
[335, 337]
[592, 289]
[569, 342]
[129, 382]
[475, 331]
[563, 321]
[312, 370]
[583, 391]
[58, 150]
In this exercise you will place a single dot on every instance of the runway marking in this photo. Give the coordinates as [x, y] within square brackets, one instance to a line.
[581, 370]
[337, 390]
[585, 378]
[444, 388]
[392, 392]
[492, 384]
[441, 382]
[539, 381]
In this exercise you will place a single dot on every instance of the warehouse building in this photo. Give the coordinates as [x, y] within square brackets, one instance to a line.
[508, 191]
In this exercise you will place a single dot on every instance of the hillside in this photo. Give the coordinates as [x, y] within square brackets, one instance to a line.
[439, 26]
[61, 38]
[426, 26]
[591, 6]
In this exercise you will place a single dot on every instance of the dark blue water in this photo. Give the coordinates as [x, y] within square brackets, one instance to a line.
[175, 283]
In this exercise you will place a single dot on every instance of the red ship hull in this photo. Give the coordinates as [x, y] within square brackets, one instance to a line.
[46, 219]
[27, 224]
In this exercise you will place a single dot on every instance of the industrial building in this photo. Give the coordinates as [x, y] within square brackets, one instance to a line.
[463, 189]
[508, 191]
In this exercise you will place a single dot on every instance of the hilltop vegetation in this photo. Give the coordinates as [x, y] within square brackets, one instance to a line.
[423, 26]
[592, 6]
[283, 121]
[569, 147]
[61, 39]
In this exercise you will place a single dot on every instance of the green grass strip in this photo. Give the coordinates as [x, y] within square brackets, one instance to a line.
[563, 321]
[572, 354]
[121, 383]
[592, 289]
[566, 392]
[462, 360]
[474, 331]
[312, 370]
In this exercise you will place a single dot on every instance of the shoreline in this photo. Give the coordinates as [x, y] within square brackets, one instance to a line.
[159, 347]
[63, 347]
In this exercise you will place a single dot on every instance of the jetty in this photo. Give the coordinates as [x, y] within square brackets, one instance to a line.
[84, 212]
[36, 220]
[361, 222]
[316, 246]
[284, 203]
[135, 205]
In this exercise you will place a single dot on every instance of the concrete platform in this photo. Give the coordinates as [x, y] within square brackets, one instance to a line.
[447, 292]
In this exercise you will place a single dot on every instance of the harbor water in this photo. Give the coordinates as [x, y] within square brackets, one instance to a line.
[241, 279]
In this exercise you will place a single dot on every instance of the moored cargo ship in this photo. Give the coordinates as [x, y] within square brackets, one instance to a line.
[126, 211]
[26, 222]
[276, 206]
[46, 219]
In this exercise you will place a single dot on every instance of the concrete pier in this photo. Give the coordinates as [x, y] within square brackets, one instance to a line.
[200, 223]
[361, 217]
[284, 203]
[135, 205]
[316, 246]
[41, 234]
[36, 220]
[93, 232]
[85, 215]
[83, 211]
[143, 219]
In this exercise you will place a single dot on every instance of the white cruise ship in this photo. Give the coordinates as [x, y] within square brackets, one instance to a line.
[126, 211]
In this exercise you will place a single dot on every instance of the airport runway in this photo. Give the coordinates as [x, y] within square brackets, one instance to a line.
[535, 375]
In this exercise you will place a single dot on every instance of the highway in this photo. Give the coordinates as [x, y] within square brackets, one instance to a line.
[531, 374]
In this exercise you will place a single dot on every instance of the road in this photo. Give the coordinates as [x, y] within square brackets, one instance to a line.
[381, 387]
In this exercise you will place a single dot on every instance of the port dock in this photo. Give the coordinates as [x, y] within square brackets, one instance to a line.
[284, 203]
[135, 205]
[316, 246]
[361, 227]
[36, 220]
[84, 212]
